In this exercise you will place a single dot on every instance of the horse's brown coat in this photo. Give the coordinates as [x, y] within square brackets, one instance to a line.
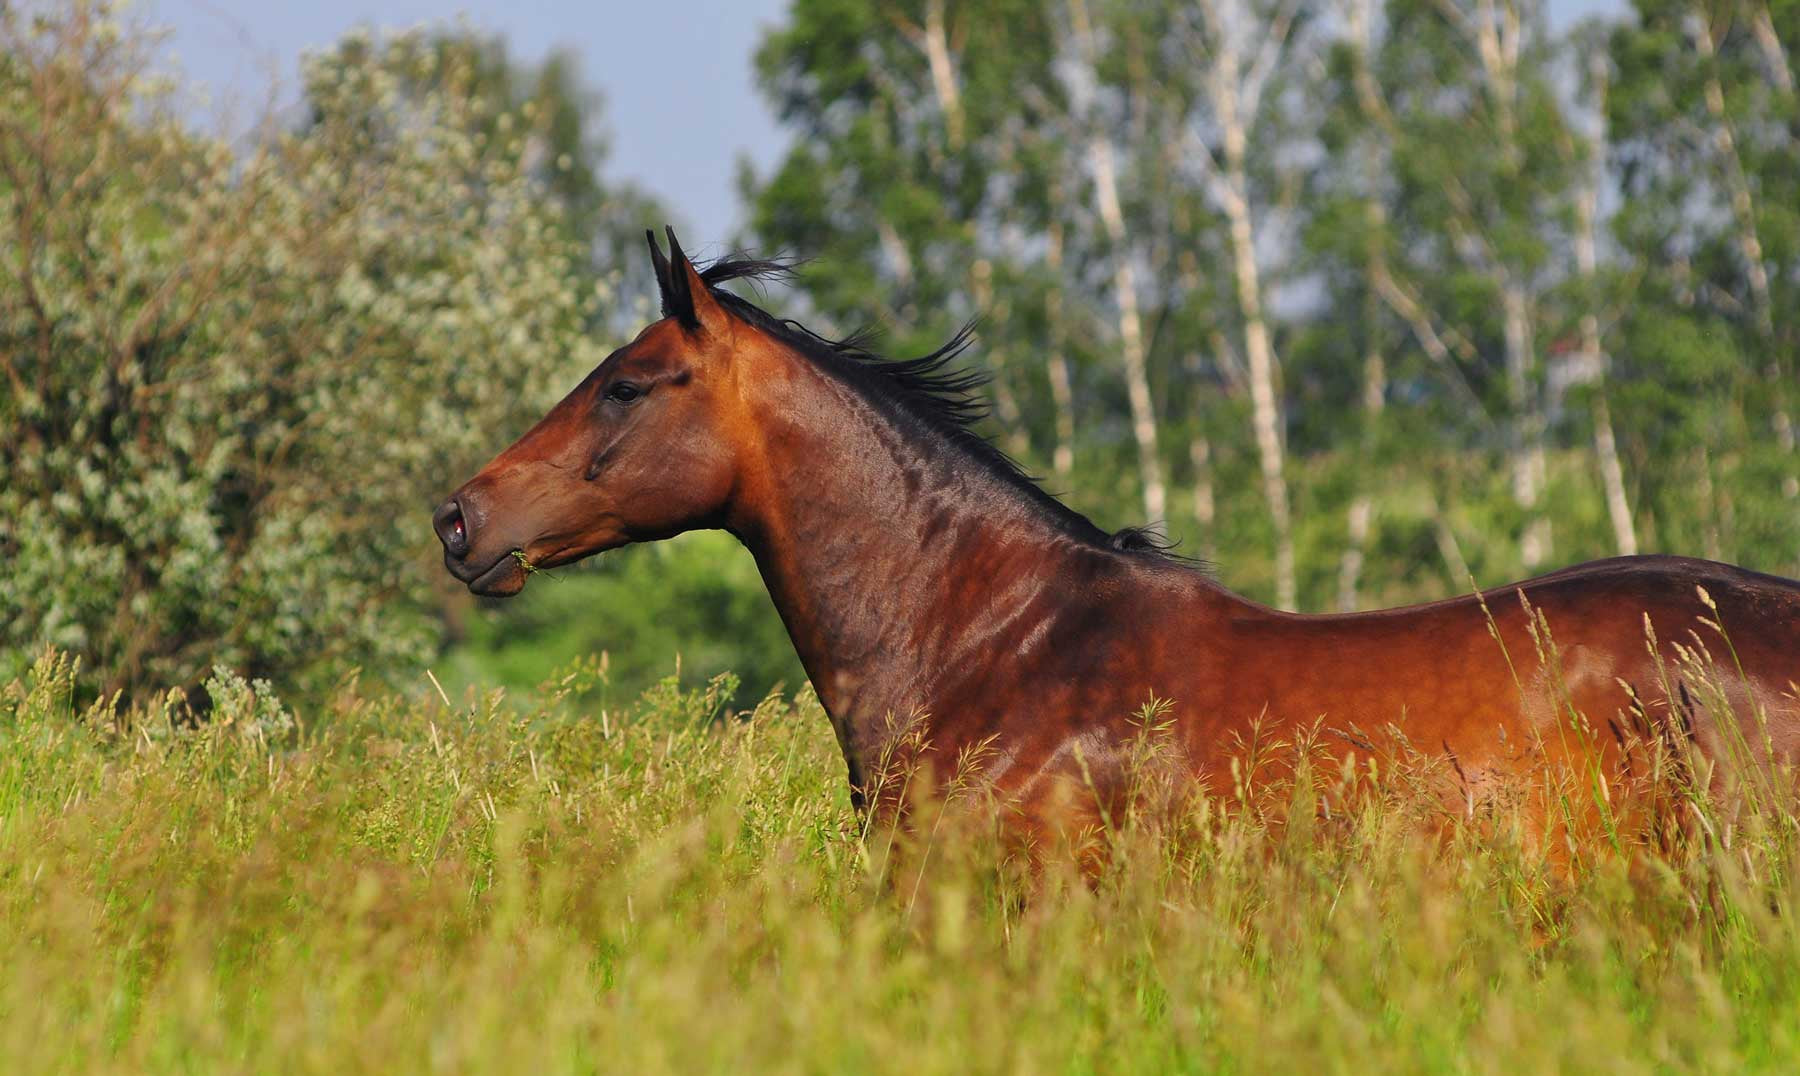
[916, 583]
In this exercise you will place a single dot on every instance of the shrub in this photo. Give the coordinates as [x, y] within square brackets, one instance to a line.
[236, 380]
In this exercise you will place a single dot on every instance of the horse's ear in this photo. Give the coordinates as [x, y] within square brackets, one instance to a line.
[687, 299]
[661, 264]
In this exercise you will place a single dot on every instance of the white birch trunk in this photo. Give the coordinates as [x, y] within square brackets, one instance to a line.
[1527, 432]
[1362, 513]
[1587, 262]
[1265, 404]
[1062, 394]
[1456, 566]
[1205, 505]
[1781, 71]
[1362, 509]
[1496, 29]
[1359, 16]
[1125, 291]
[1743, 206]
[1743, 203]
[1235, 90]
[935, 41]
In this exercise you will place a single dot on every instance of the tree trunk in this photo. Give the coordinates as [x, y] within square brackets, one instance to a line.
[1743, 206]
[1743, 203]
[1362, 509]
[935, 42]
[1762, 25]
[1374, 398]
[1265, 403]
[1362, 513]
[1587, 261]
[1125, 293]
[1062, 394]
[1527, 425]
[1205, 505]
[1456, 566]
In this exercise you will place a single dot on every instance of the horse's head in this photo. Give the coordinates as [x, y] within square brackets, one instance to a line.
[639, 450]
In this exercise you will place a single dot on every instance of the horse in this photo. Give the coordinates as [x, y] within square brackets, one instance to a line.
[946, 607]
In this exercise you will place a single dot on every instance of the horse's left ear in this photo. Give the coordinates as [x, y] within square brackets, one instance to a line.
[660, 264]
[685, 296]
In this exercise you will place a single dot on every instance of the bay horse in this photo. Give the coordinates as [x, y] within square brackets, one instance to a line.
[921, 575]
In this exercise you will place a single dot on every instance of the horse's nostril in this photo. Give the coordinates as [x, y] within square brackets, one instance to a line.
[451, 528]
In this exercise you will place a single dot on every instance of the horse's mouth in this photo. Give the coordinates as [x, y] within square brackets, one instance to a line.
[503, 579]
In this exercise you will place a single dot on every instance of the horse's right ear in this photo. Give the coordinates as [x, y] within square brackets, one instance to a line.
[664, 279]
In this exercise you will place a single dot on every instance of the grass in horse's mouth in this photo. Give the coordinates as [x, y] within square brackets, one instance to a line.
[528, 567]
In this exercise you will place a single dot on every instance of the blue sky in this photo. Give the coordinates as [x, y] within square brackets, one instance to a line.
[681, 106]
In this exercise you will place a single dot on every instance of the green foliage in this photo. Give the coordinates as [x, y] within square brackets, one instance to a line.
[550, 117]
[237, 380]
[1707, 125]
[694, 604]
[512, 884]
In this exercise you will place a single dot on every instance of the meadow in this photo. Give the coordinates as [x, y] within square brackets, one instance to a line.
[561, 881]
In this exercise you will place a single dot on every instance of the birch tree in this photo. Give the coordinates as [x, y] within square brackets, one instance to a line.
[1587, 263]
[1096, 131]
[1359, 160]
[1234, 48]
[937, 138]
[1482, 154]
[1706, 133]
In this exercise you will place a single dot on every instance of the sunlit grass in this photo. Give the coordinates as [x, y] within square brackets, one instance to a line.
[395, 884]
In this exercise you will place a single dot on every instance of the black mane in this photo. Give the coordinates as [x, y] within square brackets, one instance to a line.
[929, 389]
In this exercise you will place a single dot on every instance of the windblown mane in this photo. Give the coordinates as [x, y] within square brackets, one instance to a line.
[929, 389]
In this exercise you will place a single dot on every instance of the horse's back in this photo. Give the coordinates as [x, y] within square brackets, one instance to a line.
[1681, 598]
[1662, 570]
[1590, 637]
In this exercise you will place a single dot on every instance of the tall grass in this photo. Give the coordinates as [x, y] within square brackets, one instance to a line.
[401, 884]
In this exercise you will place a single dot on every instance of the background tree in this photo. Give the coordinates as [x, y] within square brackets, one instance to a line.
[1397, 270]
[940, 148]
[235, 380]
[1236, 48]
[545, 113]
[1706, 149]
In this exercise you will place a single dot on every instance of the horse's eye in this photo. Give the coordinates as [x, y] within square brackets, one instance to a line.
[623, 392]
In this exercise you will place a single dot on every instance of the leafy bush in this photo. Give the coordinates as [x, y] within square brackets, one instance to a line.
[694, 605]
[236, 380]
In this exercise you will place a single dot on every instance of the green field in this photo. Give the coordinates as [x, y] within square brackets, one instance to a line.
[571, 883]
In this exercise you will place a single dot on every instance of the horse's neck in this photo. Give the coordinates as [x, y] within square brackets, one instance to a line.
[886, 558]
